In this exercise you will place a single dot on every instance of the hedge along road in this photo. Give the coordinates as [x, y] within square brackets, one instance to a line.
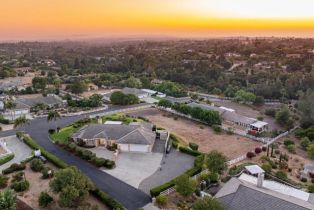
[127, 195]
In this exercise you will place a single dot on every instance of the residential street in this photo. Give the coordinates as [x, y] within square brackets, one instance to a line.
[129, 196]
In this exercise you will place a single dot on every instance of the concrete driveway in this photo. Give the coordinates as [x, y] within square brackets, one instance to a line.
[133, 168]
[21, 151]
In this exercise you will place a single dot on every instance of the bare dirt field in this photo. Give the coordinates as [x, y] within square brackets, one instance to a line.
[38, 185]
[231, 145]
[99, 91]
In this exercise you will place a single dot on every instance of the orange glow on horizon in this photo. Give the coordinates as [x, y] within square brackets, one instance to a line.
[27, 19]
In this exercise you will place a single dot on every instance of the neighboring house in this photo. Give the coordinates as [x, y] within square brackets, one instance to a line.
[135, 137]
[180, 100]
[50, 100]
[254, 193]
[229, 116]
[154, 93]
[19, 110]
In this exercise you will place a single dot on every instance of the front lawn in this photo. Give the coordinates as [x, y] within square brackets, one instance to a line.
[63, 135]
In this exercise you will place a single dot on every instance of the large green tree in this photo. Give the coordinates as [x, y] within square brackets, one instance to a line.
[184, 185]
[39, 83]
[306, 106]
[72, 185]
[53, 116]
[216, 162]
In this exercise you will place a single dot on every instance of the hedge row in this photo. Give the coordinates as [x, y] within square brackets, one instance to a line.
[6, 158]
[89, 156]
[110, 202]
[14, 167]
[32, 144]
[198, 163]
[189, 151]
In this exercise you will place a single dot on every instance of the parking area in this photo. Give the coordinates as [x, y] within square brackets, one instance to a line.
[21, 151]
[133, 168]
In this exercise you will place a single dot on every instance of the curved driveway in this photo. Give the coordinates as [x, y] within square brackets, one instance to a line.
[129, 196]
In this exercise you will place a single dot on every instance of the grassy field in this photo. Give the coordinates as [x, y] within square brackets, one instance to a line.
[120, 117]
[63, 135]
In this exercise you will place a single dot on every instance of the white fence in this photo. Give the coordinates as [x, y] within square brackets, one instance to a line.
[121, 110]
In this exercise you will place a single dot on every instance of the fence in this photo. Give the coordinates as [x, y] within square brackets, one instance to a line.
[172, 189]
[120, 110]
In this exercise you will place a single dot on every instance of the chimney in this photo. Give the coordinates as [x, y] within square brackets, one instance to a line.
[260, 179]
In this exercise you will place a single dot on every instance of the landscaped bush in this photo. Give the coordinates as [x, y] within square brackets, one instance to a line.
[109, 164]
[88, 155]
[281, 175]
[270, 112]
[311, 174]
[305, 141]
[288, 142]
[3, 181]
[99, 161]
[37, 165]
[110, 202]
[46, 174]
[303, 179]
[267, 167]
[6, 158]
[72, 146]
[14, 167]
[213, 177]
[258, 150]
[175, 144]
[193, 146]
[217, 129]
[161, 200]
[199, 161]
[264, 149]
[20, 186]
[44, 199]
[51, 131]
[310, 188]
[189, 151]
[291, 148]
[250, 155]
[19, 176]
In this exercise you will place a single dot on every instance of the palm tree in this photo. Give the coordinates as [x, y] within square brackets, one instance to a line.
[18, 122]
[53, 115]
[10, 105]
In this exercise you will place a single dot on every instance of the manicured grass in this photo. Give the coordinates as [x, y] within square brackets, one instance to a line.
[120, 117]
[63, 135]
[157, 98]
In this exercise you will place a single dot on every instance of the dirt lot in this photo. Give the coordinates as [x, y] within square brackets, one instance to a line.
[231, 145]
[99, 91]
[37, 185]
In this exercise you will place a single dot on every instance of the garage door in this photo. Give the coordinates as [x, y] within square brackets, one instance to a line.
[138, 148]
[124, 147]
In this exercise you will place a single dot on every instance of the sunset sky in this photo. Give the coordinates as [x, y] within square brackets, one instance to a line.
[61, 19]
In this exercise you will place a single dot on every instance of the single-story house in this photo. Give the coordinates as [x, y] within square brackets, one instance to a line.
[154, 93]
[19, 110]
[180, 100]
[50, 100]
[135, 137]
[230, 116]
[245, 193]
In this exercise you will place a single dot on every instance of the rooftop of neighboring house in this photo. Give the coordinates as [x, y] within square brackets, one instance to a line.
[33, 100]
[243, 193]
[126, 90]
[174, 100]
[134, 133]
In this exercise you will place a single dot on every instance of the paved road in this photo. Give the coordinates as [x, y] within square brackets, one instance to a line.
[129, 196]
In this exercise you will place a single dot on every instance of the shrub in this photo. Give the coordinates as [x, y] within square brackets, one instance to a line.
[14, 167]
[99, 161]
[270, 112]
[291, 148]
[37, 165]
[189, 151]
[51, 131]
[264, 148]
[20, 186]
[46, 174]
[305, 142]
[199, 161]
[72, 147]
[110, 202]
[281, 175]
[310, 188]
[19, 176]
[3, 181]
[311, 174]
[217, 129]
[267, 167]
[250, 155]
[109, 164]
[175, 144]
[258, 150]
[6, 158]
[213, 177]
[44, 199]
[193, 146]
[303, 179]
[161, 200]
[88, 155]
[288, 142]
